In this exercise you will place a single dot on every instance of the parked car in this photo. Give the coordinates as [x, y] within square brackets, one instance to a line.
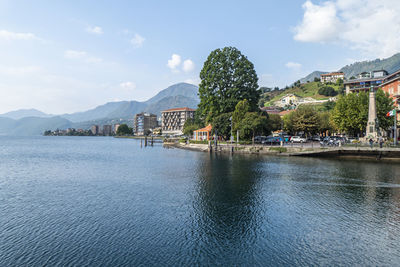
[316, 138]
[333, 141]
[298, 139]
[272, 140]
[260, 139]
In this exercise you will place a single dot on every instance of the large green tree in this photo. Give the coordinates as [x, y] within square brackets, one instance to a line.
[226, 78]
[222, 125]
[275, 122]
[238, 114]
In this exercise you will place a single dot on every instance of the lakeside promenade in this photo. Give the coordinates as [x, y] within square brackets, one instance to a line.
[315, 150]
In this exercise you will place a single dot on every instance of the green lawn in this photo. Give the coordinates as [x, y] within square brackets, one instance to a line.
[304, 90]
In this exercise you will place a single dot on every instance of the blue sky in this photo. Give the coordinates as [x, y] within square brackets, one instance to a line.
[68, 56]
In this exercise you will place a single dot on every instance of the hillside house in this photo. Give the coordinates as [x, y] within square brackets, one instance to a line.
[332, 77]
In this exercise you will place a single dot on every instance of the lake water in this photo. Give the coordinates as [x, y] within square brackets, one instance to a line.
[94, 201]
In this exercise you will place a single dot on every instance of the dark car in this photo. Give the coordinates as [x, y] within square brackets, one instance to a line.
[260, 139]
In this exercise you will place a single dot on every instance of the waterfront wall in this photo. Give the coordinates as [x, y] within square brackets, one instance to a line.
[321, 152]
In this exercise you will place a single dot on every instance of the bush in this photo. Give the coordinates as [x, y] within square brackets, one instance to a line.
[198, 142]
[327, 91]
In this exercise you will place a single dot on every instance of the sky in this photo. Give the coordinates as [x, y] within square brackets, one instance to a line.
[68, 56]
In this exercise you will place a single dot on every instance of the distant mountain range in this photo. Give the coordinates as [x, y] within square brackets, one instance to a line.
[22, 113]
[390, 64]
[35, 122]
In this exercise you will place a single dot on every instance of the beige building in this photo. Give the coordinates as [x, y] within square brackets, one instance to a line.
[144, 122]
[332, 77]
[174, 119]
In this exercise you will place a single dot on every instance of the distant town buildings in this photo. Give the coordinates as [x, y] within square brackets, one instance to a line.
[107, 130]
[366, 81]
[116, 126]
[144, 122]
[95, 129]
[174, 119]
[332, 77]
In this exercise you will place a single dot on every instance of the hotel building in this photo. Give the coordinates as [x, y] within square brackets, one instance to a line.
[174, 119]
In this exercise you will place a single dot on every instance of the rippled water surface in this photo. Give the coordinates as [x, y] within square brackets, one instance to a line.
[88, 201]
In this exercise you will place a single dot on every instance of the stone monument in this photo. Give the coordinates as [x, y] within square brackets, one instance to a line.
[372, 127]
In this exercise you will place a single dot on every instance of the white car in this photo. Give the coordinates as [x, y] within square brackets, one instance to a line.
[298, 139]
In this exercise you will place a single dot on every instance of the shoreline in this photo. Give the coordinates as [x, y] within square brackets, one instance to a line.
[390, 154]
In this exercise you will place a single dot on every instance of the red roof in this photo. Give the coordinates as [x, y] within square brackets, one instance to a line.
[179, 109]
[283, 113]
[208, 128]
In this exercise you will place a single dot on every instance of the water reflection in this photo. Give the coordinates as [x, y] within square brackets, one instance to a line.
[227, 202]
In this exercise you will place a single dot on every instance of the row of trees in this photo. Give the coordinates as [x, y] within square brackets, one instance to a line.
[229, 98]
[349, 115]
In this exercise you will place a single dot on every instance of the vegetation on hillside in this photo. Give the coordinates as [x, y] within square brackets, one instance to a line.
[312, 89]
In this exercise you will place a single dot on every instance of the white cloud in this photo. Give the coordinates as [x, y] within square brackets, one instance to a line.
[81, 55]
[370, 26]
[7, 70]
[73, 54]
[95, 30]
[293, 65]
[128, 85]
[174, 62]
[188, 65]
[137, 41]
[10, 36]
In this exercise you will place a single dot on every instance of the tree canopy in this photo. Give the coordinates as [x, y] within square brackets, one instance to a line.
[227, 77]
[350, 114]
[190, 126]
[252, 124]
[123, 129]
[327, 91]
[221, 125]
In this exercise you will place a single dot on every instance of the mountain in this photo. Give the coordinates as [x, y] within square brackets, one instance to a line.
[182, 89]
[172, 102]
[36, 122]
[390, 64]
[21, 113]
[126, 109]
[310, 77]
[32, 125]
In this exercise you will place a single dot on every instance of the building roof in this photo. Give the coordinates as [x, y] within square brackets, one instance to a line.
[365, 80]
[208, 128]
[333, 73]
[391, 77]
[179, 109]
